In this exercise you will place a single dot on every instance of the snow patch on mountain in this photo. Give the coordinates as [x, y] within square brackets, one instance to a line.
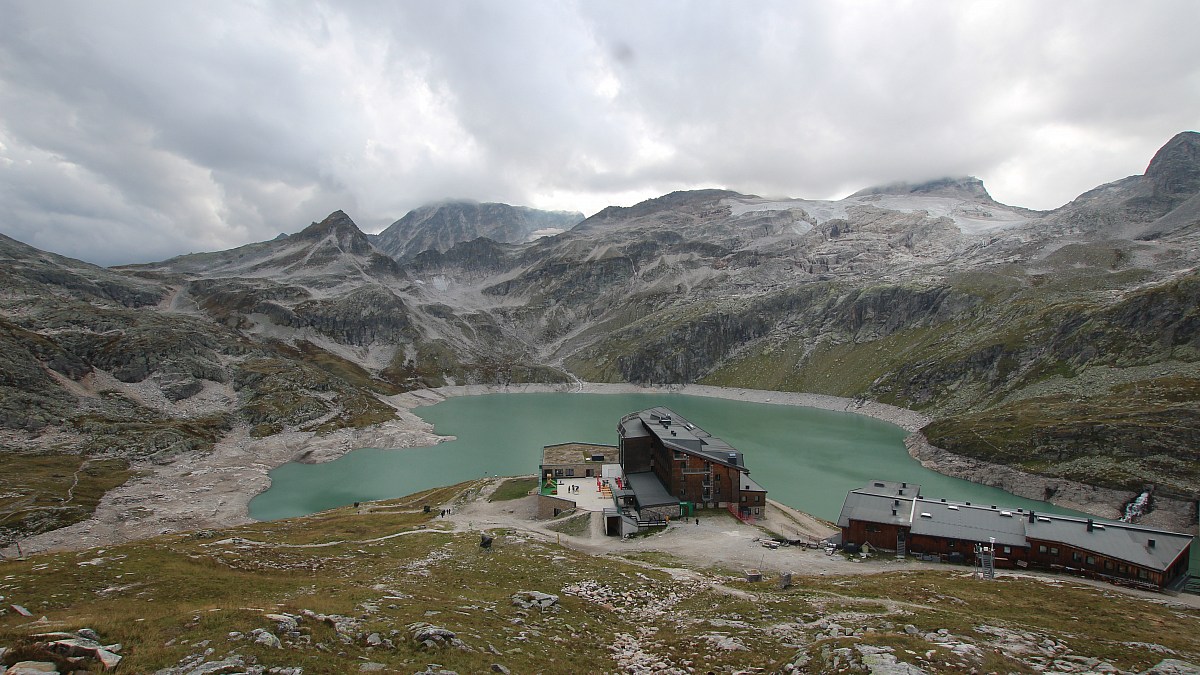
[970, 218]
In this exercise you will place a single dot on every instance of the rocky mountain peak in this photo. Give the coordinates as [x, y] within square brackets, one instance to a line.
[1175, 169]
[341, 228]
[963, 187]
[441, 225]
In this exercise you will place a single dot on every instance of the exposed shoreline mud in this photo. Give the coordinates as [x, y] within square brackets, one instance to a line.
[214, 489]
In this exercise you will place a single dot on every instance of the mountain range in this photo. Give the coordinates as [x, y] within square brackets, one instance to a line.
[1061, 342]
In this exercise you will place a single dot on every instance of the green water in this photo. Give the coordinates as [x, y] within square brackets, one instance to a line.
[805, 458]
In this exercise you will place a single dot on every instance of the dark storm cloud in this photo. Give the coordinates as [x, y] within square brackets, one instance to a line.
[135, 131]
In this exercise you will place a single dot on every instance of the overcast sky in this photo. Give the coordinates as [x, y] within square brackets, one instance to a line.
[134, 131]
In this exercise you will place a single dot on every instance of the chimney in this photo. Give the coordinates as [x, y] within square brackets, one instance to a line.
[893, 512]
[1089, 525]
[1032, 516]
[904, 485]
[1149, 543]
[895, 502]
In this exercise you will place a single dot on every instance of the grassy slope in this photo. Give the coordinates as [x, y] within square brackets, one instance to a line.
[1055, 374]
[163, 598]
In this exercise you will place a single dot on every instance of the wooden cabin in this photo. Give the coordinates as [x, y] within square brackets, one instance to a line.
[895, 517]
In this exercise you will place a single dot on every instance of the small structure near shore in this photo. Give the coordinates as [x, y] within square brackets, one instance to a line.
[893, 516]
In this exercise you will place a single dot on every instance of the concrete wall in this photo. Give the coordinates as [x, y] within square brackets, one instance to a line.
[661, 512]
[547, 505]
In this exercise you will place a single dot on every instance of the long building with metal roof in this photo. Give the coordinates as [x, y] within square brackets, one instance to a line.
[894, 516]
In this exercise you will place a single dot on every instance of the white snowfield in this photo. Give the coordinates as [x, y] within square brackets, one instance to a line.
[970, 218]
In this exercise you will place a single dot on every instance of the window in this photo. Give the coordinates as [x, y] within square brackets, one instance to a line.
[1091, 560]
[1122, 569]
[743, 498]
[1108, 564]
[953, 543]
[1142, 574]
[1008, 549]
[1076, 556]
[558, 472]
[1042, 548]
[570, 472]
[1053, 550]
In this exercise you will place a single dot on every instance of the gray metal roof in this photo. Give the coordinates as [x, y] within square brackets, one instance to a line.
[679, 434]
[649, 489]
[1115, 540]
[968, 523]
[748, 484]
[875, 502]
[875, 508]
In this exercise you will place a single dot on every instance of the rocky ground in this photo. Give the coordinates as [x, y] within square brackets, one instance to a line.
[387, 588]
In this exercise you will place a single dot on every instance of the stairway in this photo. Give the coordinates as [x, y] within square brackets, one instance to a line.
[987, 562]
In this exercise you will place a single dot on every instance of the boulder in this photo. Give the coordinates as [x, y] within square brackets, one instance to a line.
[430, 636]
[31, 668]
[534, 600]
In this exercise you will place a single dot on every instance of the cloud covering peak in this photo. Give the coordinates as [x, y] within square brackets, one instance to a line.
[133, 131]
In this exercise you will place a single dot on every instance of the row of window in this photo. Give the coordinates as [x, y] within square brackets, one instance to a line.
[1090, 560]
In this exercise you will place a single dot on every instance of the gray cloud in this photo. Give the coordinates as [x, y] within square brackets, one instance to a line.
[134, 131]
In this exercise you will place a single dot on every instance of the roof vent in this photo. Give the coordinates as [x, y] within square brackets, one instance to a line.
[1032, 515]
[1043, 519]
[952, 507]
[672, 432]
[878, 484]
[1089, 525]
[1006, 514]
[926, 515]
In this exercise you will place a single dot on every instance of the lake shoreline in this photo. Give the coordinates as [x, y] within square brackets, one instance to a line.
[1169, 514]
[213, 490]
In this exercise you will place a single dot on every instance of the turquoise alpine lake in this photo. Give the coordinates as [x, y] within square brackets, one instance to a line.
[806, 458]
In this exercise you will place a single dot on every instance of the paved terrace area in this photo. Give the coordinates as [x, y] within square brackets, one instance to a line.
[588, 498]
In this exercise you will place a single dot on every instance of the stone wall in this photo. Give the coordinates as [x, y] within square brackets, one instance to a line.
[547, 505]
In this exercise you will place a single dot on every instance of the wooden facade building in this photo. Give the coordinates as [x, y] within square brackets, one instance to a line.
[894, 516]
[690, 464]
